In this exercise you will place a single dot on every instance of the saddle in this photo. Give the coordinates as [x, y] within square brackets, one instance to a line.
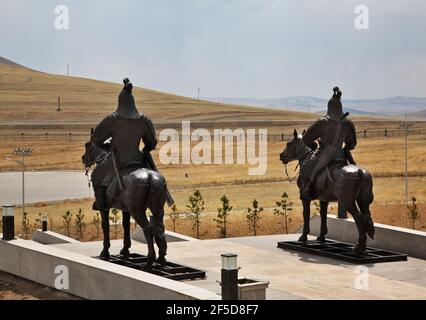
[324, 177]
[113, 190]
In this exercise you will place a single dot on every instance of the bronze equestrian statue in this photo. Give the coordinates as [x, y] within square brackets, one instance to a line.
[126, 177]
[329, 173]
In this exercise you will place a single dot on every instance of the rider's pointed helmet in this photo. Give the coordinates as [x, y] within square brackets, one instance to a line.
[334, 107]
[126, 102]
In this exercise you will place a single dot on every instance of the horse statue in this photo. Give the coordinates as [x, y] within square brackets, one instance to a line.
[350, 185]
[142, 189]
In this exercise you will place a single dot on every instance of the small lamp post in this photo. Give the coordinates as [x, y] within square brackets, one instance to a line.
[229, 276]
[22, 152]
[44, 223]
[8, 216]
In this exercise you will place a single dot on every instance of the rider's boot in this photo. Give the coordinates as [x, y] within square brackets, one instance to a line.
[100, 198]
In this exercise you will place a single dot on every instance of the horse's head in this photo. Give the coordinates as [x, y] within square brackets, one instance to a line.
[93, 154]
[290, 150]
[89, 156]
[294, 147]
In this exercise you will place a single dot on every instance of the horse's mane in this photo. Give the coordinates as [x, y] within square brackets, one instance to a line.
[308, 150]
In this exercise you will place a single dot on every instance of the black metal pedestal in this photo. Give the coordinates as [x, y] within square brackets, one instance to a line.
[342, 251]
[171, 270]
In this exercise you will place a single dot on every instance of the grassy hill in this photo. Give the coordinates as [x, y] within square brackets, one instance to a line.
[28, 96]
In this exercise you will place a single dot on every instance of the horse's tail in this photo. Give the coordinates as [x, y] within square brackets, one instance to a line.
[361, 178]
[163, 190]
[148, 192]
[365, 216]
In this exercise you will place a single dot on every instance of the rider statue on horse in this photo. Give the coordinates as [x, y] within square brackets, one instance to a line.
[127, 127]
[126, 178]
[332, 131]
[326, 175]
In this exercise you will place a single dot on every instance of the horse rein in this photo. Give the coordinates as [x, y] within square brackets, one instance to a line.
[87, 175]
[288, 177]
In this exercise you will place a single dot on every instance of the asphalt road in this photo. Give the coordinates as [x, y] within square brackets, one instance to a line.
[43, 186]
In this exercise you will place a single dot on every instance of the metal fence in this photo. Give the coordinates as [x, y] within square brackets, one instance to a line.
[45, 137]
[363, 134]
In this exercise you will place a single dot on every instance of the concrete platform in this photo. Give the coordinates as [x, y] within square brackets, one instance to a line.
[87, 277]
[291, 275]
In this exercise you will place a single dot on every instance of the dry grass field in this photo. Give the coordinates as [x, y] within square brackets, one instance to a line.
[30, 97]
[388, 208]
[383, 157]
[28, 103]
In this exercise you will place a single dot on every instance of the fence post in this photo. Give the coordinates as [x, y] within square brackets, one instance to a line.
[282, 136]
[386, 132]
[365, 133]
[70, 137]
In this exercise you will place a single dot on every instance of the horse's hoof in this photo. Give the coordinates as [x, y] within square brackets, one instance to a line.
[321, 238]
[150, 260]
[161, 261]
[147, 267]
[104, 255]
[303, 238]
[125, 253]
[359, 249]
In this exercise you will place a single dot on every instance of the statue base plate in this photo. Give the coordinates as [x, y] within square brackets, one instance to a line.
[342, 251]
[171, 270]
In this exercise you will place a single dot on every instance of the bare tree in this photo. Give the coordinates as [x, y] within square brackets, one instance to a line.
[413, 211]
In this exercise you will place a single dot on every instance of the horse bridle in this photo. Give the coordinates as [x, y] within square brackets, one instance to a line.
[299, 148]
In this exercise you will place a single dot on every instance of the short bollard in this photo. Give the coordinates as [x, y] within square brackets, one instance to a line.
[8, 222]
[44, 223]
[229, 279]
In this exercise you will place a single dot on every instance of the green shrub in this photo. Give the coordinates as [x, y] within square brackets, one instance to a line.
[222, 215]
[195, 206]
[253, 216]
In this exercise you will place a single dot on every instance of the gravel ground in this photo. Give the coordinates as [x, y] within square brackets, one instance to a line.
[15, 288]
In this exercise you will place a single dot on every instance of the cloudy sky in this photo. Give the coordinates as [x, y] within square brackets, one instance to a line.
[229, 48]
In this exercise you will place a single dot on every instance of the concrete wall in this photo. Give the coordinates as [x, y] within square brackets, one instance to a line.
[88, 277]
[170, 236]
[386, 237]
[50, 237]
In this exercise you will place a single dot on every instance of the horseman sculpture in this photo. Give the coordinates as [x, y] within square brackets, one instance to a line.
[126, 178]
[127, 128]
[331, 131]
[329, 173]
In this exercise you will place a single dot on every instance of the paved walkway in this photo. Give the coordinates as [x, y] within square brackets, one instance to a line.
[43, 186]
[292, 275]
